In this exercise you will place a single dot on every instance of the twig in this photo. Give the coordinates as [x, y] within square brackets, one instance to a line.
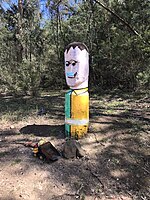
[98, 140]
[143, 198]
[96, 176]
[70, 194]
[121, 19]
[116, 15]
[145, 170]
[80, 188]
[130, 194]
[120, 198]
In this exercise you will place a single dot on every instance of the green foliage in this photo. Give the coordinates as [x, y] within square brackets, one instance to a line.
[144, 78]
[21, 50]
[22, 78]
[32, 53]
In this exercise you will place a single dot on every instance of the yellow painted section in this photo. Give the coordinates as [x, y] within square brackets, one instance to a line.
[79, 111]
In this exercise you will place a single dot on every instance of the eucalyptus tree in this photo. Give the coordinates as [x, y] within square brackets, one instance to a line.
[24, 40]
[130, 50]
[119, 42]
[57, 38]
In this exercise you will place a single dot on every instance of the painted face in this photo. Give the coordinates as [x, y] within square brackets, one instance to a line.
[76, 67]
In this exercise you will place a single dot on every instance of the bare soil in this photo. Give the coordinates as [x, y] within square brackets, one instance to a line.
[117, 161]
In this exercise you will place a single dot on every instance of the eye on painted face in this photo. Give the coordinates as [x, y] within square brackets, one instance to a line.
[76, 68]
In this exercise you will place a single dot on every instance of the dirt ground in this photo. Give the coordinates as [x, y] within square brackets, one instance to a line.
[116, 165]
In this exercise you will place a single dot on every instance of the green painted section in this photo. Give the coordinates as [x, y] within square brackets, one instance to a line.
[68, 112]
[68, 104]
[67, 130]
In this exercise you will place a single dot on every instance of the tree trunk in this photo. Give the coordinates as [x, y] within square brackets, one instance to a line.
[20, 46]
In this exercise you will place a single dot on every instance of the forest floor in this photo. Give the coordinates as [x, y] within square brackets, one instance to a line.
[117, 161]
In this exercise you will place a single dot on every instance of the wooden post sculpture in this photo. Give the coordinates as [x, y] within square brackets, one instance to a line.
[77, 98]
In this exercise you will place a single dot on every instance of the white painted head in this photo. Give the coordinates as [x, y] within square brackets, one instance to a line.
[76, 65]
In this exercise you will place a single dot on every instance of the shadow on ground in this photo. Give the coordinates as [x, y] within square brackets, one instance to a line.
[44, 130]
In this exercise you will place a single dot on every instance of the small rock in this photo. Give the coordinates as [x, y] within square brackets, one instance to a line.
[72, 149]
[12, 127]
